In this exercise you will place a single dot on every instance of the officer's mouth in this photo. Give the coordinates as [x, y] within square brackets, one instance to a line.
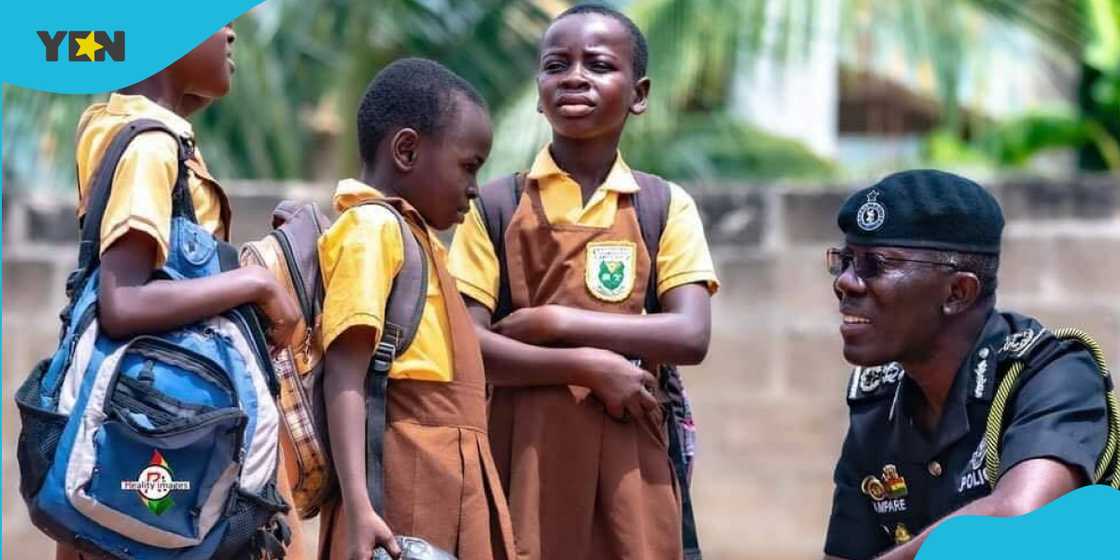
[851, 325]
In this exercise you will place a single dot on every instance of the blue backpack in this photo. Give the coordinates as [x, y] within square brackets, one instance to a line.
[163, 445]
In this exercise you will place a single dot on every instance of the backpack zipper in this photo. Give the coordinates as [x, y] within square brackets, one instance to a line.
[170, 353]
[293, 272]
[246, 320]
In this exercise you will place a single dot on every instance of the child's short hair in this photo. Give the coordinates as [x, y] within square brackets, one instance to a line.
[637, 39]
[411, 93]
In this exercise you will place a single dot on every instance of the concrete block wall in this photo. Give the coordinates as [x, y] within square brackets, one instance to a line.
[769, 399]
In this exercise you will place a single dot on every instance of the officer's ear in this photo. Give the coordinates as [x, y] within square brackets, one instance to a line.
[961, 293]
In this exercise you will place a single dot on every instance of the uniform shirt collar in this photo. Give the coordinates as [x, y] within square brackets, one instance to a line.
[954, 423]
[351, 192]
[619, 179]
[140, 106]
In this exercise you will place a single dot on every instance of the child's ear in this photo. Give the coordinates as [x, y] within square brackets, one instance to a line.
[641, 96]
[403, 148]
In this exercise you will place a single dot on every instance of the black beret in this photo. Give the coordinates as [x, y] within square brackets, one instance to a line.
[924, 209]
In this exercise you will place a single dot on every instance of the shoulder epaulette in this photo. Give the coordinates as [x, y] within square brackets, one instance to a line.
[1019, 344]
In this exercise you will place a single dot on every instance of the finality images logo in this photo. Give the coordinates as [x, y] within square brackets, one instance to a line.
[83, 46]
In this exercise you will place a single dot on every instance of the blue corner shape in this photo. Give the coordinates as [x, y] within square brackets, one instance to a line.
[1081, 524]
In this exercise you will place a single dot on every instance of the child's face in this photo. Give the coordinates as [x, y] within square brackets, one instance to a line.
[445, 176]
[206, 70]
[585, 80]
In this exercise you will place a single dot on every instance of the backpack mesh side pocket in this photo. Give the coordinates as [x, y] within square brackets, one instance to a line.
[38, 439]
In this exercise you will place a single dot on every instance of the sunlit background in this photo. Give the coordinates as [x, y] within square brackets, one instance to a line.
[742, 89]
[768, 111]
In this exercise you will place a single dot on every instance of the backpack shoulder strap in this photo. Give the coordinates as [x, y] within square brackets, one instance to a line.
[403, 310]
[101, 186]
[497, 201]
[1039, 354]
[651, 203]
[405, 303]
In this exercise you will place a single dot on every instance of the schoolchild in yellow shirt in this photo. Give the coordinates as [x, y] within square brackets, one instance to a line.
[423, 134]
[579, 435]
[135, 229]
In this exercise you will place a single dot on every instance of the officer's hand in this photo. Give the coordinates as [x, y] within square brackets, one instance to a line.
[623, 387]
[367, 531]
[533, 325]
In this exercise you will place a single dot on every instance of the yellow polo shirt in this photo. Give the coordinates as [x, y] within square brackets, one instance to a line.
[142, 185]
[682, 258]
[359, 257]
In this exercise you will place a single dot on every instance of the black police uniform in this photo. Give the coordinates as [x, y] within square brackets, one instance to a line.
[893, 480]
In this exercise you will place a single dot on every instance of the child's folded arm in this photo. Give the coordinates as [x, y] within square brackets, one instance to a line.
[511, 363]
[677, 335]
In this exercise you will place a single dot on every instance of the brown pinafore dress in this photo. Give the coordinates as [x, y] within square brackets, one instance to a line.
[440, 480]
[580, 483]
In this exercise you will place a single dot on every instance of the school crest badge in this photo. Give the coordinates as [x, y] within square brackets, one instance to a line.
[610, 269]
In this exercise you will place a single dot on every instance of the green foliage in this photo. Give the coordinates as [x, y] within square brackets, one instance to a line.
[712, 146]
[303, 65]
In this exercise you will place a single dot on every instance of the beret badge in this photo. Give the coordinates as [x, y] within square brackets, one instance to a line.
[871, 215]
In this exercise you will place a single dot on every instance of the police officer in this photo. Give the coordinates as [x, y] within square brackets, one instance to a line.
[916, 283]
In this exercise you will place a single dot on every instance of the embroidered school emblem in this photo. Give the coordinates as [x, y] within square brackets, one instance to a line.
[155, 483]
[610, 269]
[871, 215]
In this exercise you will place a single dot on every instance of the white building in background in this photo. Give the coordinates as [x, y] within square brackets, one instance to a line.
[794, 94]
[857, 86]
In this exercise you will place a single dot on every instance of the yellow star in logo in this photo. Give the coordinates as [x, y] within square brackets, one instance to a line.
[88, 46]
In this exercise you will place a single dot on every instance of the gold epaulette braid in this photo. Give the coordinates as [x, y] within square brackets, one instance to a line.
[1106, 471]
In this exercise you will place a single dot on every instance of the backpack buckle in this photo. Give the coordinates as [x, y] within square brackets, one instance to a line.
[383, 357]
[386, 350]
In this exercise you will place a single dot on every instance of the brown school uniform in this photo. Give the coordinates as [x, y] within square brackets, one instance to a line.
[581, 484]
[440, 480]
[603, 488]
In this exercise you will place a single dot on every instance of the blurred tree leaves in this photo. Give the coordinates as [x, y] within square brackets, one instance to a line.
[303, 64]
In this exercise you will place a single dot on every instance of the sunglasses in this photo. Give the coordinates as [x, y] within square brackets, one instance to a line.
[868, 265]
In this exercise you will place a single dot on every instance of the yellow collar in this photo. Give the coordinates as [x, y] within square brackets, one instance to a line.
[619, 179]
[351, 192]
[141, 107]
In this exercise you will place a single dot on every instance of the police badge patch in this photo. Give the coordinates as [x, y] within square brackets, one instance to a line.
[871, 215]
[870, 378]
[609, 272]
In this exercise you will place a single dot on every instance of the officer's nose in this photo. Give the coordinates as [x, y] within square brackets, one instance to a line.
[848, 284]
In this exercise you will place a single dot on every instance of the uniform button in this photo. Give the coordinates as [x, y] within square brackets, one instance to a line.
[935, 469]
